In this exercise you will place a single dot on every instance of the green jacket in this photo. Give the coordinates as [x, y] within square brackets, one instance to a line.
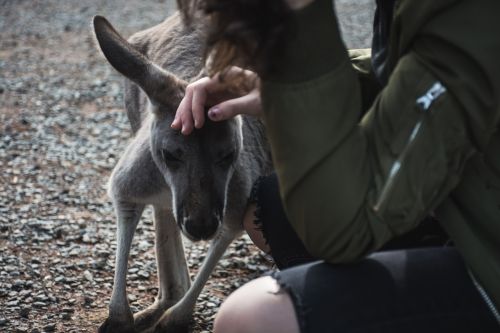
[350, 185]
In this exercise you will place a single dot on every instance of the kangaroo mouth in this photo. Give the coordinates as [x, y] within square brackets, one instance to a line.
[199, 237]
[198, 230]
[196, 238]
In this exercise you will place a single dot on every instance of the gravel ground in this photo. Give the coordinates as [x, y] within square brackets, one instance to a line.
[62, 129]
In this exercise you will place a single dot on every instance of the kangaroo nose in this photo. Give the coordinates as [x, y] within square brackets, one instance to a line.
[199, 229]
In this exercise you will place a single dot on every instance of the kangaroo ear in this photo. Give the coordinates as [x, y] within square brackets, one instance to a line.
[157, 83]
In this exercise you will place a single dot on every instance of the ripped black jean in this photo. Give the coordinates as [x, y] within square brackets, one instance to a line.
[414, 284]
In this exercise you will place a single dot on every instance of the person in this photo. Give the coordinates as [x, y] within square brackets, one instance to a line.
[366, 145]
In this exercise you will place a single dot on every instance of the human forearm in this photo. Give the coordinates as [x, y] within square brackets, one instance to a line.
[321, 160]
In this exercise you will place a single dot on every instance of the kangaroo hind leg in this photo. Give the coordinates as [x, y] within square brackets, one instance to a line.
[173, 272]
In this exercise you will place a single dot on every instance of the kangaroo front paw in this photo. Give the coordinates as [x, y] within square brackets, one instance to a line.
[147, 318]
[114, 326]
[174, 324]
[174, 327]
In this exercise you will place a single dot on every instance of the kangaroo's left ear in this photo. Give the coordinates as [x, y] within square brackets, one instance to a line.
[158, 84]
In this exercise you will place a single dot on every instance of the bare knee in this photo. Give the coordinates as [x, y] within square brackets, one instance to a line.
[258, 306]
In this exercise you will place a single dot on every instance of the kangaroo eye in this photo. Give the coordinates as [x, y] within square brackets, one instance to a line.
[226, 160]
[168, 157]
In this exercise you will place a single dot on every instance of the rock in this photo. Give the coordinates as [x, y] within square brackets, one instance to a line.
[11, 304]
[87, 300]
[143, 274]
[88, 276]
[18, 284]
[49, 328]
[59, 279]
[25, 311]
[65, 316]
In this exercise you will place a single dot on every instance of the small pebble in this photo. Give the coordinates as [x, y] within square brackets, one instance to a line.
[25, 311]
[49, 328]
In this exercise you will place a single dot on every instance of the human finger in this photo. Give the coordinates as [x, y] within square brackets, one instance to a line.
[249, 104]
[187, 123]
[198, 104]
[181, 109]
[183, 113]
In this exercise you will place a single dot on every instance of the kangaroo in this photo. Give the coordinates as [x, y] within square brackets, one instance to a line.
[198, 185]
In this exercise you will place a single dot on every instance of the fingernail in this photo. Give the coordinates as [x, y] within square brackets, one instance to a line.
[214, 113]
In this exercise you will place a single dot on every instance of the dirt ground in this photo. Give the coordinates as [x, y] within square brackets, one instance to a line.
[62, 130]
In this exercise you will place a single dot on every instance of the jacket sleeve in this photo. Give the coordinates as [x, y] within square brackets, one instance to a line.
[348, 186]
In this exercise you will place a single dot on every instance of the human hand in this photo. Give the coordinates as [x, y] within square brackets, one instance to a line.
[214, 93]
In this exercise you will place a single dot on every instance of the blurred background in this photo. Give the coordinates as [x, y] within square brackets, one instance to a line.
[62, 129]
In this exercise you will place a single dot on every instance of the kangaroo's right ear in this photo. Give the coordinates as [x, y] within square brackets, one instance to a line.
[157, 83]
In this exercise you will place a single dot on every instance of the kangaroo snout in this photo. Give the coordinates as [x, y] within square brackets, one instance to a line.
[201, 228]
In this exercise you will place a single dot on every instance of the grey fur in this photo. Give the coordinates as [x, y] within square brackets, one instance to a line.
[199, 183]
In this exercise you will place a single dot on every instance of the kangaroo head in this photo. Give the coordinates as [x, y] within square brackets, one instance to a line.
[197, 168]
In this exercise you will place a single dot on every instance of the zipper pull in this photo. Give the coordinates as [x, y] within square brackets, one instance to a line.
[426, 100]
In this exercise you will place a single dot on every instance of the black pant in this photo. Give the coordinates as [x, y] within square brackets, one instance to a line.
[424, 289]
[404, 291]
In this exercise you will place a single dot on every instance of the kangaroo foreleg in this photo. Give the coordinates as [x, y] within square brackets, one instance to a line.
[178, 317]
[120, 316]
[173, 274]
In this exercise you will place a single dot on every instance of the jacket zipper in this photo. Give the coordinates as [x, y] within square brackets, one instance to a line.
[424, 102]
[486, 298]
